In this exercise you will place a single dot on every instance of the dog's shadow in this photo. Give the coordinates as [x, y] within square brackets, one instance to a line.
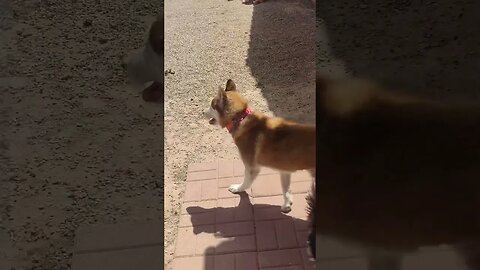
[227, 227]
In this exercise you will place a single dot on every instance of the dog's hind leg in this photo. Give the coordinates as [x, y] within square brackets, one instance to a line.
[287, 196]
[471, 253]
[250, 174]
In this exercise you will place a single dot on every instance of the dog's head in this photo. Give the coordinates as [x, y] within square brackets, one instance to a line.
[225, 105]
[145, 65]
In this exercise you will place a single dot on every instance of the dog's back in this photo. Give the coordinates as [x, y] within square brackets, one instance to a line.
[285, 145]
[395, 171]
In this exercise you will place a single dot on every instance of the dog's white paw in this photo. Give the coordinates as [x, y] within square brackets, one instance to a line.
[287, 207]
[235, 188]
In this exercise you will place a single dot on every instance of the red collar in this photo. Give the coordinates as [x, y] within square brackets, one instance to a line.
[237, 119]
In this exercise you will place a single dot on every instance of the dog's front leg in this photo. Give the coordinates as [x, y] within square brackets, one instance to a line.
[287, 196]
[250, 174]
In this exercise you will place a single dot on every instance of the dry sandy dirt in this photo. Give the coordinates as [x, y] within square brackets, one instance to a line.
[78, 146]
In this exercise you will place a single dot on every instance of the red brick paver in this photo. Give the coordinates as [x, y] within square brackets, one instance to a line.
[223, 231]
[219, 230]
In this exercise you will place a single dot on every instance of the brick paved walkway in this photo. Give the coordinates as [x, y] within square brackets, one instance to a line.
[223, 231]
[219, 230]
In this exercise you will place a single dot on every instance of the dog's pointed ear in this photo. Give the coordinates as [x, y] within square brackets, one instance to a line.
[230, 86]
[221, 97]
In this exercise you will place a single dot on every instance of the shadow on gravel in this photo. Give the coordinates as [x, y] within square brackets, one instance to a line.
[281, 56]
[427, 46]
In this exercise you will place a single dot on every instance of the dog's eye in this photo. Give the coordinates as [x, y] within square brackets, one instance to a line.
[213, 103]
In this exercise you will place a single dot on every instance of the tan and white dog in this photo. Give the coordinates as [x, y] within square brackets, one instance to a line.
[263, 141]
[145, 65]
[396, 172]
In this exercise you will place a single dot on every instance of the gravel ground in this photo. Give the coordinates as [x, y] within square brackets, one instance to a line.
[427, 47]
[78, 146]
[268, 50]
